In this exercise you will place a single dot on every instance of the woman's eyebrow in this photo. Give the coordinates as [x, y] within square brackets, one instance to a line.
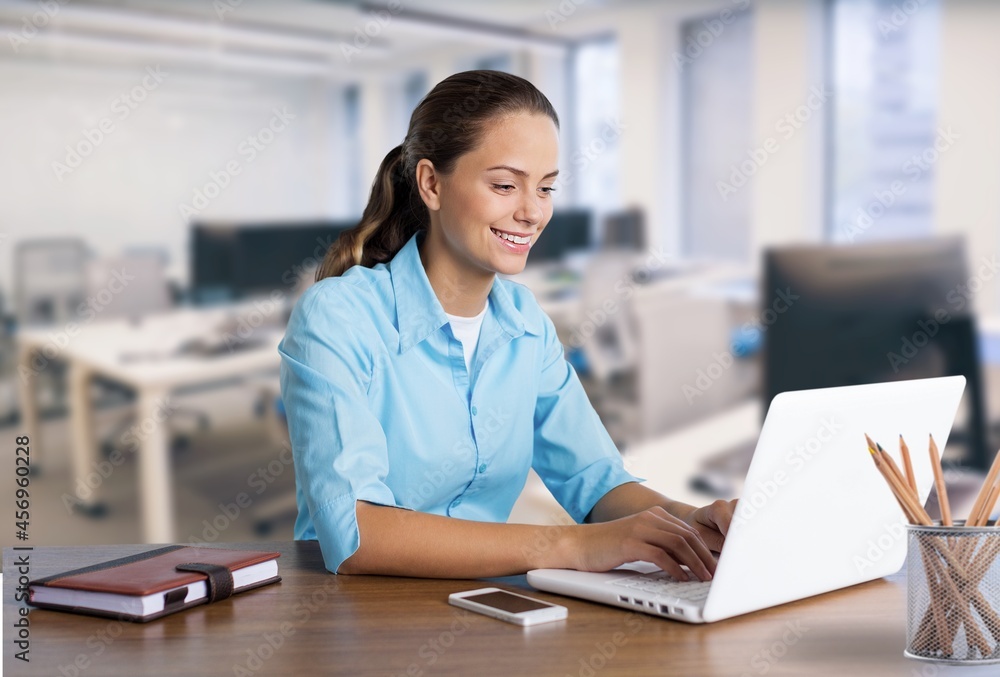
[521, 172]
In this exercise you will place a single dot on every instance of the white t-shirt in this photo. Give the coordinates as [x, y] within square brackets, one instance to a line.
[466, 330]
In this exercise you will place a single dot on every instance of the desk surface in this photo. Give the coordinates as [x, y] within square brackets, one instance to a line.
[361, 625]
[145, 353]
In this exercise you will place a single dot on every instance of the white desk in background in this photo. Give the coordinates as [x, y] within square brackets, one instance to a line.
[558, 286]
[145, 356]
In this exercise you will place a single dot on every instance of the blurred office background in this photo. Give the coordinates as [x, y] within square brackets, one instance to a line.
[755, 196]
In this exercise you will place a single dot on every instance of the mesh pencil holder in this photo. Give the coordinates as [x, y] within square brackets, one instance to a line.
[953, 594]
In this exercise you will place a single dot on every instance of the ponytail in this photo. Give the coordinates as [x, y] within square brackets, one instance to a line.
[444, 126]
[386, 224]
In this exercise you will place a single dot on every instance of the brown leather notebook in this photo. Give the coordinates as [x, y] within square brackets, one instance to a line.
[152, 584]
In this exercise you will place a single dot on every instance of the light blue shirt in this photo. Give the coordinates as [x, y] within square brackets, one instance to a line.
[382, 408]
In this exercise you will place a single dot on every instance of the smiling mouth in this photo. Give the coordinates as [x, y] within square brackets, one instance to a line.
[510, 237]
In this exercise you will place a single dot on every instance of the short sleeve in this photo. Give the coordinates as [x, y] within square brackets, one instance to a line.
[574, 455]
[338, 444]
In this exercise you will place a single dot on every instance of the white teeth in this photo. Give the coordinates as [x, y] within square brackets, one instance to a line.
[513, 238]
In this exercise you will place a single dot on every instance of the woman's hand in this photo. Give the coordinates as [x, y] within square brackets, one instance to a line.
[712, 522]
[653, 535]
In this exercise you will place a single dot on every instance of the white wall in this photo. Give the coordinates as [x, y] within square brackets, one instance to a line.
[129, 189]
[788, 187]
[967, 195]
[127, 192]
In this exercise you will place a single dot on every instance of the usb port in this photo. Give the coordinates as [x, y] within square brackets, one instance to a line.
[637, 602]
[622, 598]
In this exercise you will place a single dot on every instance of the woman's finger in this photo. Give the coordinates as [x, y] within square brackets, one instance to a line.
[661, 559]
[685, 548]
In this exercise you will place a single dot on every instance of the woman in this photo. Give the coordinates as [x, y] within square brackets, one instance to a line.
[420, 386]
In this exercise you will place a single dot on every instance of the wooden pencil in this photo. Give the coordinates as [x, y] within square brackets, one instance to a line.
[984, 491]
[904, 452]
[942, 490]
[910, 517]
[902, 496]
[911, 497]
[991, 500]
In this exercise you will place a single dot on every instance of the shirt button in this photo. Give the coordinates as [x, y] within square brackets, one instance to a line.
[474, 411]
[482, 467]
[456, 502]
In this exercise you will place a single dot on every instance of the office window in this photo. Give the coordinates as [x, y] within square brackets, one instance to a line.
[883, 134]
[403, 95]
[716, 121]
[593, 179]
[356, 196]
[494, 62]
[415, 88]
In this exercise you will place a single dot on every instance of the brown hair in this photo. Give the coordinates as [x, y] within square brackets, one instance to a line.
[447, 123]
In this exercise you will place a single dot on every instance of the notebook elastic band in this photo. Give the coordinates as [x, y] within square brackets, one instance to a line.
[220, 579]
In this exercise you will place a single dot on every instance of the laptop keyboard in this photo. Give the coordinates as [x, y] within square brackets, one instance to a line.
[663, 584]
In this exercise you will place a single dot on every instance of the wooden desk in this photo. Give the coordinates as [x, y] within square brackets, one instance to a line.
[323, 624]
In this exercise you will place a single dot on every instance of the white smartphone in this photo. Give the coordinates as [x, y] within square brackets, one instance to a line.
[508, 606]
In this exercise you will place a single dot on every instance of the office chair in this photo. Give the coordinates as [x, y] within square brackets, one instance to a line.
[607, 338]
[8, 401]
[606, 333]
[49, 280]
[49, 284]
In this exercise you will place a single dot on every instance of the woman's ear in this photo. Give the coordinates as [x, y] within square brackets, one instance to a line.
[429, 184]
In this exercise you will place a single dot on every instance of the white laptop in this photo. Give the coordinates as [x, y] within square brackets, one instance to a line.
[814, 515]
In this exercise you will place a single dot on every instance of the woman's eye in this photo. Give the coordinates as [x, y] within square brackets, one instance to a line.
[548, 189]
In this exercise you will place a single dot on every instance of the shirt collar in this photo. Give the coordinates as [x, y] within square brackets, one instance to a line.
[419, 311]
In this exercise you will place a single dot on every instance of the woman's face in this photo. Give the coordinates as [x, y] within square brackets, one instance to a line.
[502, 189]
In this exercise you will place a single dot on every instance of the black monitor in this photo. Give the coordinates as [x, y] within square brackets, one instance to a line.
[567, 231]
[211, 261]
[625, 230]
[273, 255]
[232, 261]
[848, 315]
